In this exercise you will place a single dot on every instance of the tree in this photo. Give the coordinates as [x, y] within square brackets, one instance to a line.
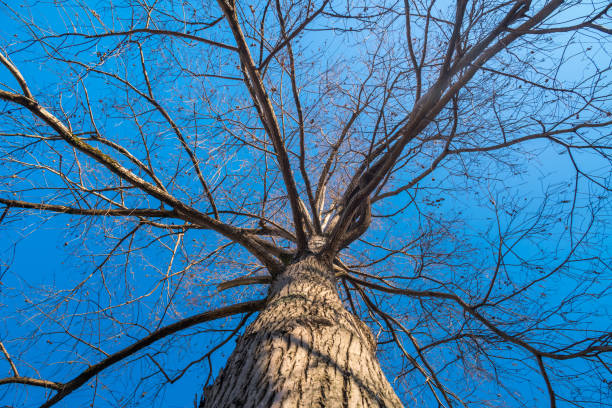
[333, 186]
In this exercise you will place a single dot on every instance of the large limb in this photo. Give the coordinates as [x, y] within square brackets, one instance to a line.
[65, 389]
[298, 105]
[110, 212]
[183, 211]
[374, 171]
[268, 118]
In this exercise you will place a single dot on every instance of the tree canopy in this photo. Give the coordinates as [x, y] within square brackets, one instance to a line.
[453, 159]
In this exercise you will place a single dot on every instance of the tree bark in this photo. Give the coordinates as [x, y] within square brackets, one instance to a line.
[303, 350]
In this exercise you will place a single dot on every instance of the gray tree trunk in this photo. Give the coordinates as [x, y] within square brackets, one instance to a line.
[303, 350]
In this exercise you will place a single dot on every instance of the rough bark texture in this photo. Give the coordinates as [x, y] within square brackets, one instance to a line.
[303, 350]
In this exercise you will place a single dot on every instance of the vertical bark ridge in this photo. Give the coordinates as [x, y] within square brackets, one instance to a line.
[303, 350]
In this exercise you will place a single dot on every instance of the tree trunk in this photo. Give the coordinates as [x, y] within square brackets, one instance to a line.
[303, 350]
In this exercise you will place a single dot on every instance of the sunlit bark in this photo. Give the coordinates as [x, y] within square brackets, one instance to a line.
[304, 349]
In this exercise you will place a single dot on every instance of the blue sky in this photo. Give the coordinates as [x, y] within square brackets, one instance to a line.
[39, 251]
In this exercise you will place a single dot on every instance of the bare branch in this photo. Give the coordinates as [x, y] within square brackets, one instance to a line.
[268, 117]
[92, 371]
[32, 381]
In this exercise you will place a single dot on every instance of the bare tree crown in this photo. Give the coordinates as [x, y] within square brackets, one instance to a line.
[449, 160]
